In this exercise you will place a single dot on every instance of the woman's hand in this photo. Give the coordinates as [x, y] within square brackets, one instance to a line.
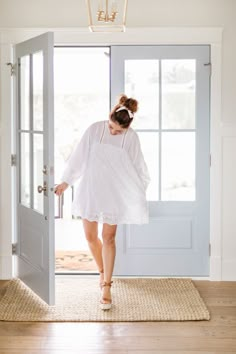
[60, 188]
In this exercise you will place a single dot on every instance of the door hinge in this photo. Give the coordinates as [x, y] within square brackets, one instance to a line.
[14, 248]
[13, 160]
[13, 67]
[209, 66]
[209, 249]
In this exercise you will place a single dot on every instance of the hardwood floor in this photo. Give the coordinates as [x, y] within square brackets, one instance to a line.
[215, 336]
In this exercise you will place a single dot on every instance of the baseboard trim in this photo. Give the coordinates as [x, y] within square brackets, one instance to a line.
[5, 267]
[215, 268]
[229, 270]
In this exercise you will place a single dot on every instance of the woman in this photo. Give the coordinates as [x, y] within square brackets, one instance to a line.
[113, 178]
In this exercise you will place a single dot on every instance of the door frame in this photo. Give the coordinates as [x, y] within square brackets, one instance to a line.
[138, 36]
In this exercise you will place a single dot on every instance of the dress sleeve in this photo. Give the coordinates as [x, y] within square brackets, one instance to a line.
[137, 158]
[76, 163]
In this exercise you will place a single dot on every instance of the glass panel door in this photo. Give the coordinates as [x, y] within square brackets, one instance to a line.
[171, 84]
[35, 165]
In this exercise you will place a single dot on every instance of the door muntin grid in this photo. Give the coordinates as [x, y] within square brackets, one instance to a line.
[166, 91]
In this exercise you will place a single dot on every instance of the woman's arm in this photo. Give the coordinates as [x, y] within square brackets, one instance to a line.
[77, 161]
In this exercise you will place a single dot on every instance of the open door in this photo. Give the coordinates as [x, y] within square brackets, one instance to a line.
[35, 165]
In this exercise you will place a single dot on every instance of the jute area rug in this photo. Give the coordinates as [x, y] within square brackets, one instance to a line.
[134, 299]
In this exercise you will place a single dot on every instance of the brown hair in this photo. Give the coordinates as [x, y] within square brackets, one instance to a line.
[122, 117]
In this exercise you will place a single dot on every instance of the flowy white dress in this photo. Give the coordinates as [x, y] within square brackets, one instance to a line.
[112, 177]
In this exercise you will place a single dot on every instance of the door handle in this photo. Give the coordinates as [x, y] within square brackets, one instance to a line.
[42, 189]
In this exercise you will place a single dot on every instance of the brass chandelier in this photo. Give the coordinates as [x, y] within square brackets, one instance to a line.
[107, 16]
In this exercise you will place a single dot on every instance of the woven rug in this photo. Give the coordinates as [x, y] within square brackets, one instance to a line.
[134, 299]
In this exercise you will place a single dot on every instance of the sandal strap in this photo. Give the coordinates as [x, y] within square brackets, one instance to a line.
[106, 283]
[105, 299]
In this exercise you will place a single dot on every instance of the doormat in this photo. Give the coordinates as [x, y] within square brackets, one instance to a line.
[74, 261]
[133, 299]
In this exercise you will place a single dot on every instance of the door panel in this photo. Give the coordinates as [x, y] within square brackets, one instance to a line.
[164, 234]
[35, 167]
[171, 84]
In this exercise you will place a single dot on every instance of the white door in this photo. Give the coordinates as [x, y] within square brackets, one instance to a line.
[171, 84]
[35, 165]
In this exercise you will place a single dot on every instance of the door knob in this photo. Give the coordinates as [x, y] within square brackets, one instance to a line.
[42, 189]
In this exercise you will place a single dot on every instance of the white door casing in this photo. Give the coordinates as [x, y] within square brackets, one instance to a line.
[139, 36]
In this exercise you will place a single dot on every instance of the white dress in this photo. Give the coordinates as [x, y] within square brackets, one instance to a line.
[112, 174]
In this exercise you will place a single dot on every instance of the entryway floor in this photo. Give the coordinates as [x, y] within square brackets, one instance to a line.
[217, 336]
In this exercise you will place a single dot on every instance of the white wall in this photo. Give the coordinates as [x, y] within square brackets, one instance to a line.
[171, 13]
[163, 13]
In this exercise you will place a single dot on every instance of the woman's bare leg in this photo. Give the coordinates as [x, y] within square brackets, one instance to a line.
[108, 255]
[94, 243]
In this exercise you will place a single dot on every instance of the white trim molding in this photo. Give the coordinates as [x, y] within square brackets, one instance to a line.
[6, 120]
[228, 245]
[140, 36]
[134, 35]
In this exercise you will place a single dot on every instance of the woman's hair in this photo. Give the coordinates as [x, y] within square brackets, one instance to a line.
[122, 117]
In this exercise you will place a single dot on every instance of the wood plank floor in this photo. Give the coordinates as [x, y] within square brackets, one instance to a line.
[215, 336]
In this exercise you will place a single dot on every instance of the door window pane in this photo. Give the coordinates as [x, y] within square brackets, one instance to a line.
[25, 169]
[38, 173]
[142, 83]
[38, 90]
[178, 94]
[178, 166]
[150, 147]
[24, 92]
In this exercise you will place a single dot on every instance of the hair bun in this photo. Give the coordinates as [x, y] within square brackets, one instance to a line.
[122, 99]
[129, 103]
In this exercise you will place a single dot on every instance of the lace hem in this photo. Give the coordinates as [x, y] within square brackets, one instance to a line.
[111, 219]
